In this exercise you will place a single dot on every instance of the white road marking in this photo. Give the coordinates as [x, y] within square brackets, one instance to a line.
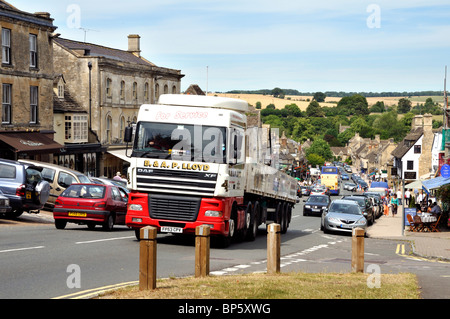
[21, 249]
[102, 240]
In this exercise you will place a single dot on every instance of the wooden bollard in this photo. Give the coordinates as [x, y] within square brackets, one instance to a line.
[147, 258]
[358, 250]
[202, 249]
[273, 248]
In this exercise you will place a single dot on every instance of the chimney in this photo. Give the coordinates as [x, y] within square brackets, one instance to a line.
[416, 122]
[134, 44]
[428, 122]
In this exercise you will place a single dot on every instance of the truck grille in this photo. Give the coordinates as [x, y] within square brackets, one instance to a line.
[176, 182]
[174, 207]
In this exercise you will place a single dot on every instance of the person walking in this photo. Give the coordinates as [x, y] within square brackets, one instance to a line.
[394, 205]
[407, 197]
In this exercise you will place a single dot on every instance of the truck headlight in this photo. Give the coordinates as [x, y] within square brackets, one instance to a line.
[213, 213]
[135, 207]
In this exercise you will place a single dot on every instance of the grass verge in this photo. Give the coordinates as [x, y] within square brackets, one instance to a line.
[296, 285]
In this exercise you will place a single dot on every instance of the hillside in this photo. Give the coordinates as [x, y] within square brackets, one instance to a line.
[302, 101]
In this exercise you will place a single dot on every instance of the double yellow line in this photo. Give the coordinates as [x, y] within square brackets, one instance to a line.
[401, 252]
[86, 294]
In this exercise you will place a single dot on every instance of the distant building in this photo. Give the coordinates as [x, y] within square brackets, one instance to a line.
[194, 89]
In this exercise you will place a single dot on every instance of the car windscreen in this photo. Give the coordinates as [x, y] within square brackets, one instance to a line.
[85, 191]
[317, 199]
[344, 209]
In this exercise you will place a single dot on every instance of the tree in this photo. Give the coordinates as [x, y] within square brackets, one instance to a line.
[353, 105]
[378, 107]
[321, 148]
[314, 110]
[314, 159]
[404, 106]
[319, 97]
[277, 92]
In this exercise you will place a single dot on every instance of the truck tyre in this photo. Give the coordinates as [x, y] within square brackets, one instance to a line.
[284, 218]
[252, 231]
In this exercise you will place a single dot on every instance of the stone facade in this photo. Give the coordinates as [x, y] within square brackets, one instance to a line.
[112, 89]
[27, 78]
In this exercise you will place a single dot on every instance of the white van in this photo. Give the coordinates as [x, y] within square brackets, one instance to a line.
[58, 177]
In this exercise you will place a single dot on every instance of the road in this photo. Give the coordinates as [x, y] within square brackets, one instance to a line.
[39, 261]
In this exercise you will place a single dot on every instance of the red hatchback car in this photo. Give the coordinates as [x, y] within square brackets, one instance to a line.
[91, 204]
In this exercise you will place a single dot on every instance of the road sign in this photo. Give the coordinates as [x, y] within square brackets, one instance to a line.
[445, 171]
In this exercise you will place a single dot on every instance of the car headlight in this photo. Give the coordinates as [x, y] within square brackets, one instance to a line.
[333, 219]
[361, 221]
[307, 206]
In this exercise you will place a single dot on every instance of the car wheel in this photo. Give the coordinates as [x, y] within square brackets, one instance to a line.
[60, 224]
[109, 224]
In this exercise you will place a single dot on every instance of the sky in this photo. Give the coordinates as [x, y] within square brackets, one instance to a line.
[310, 46]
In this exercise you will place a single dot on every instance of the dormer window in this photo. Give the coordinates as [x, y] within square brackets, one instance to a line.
[60, 90]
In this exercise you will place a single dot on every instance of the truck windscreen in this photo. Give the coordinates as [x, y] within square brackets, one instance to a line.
[181, 142]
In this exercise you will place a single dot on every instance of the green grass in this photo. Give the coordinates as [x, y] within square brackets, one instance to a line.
[280, 286]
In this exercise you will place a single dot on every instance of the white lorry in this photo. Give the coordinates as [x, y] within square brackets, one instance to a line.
[194, 162]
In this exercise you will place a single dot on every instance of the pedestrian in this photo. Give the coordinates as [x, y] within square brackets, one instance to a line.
[399, 197]
[407, 197]
[436, 209]
[394, 204]
[419, 198]
[387, 204]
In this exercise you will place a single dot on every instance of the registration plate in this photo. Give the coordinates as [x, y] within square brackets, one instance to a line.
[167, 229]
[74, 214]
[346, 226]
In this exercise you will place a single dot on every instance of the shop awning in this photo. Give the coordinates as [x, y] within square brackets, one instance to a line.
[435, 183]
[31, 142]
[121, 154]
[415, 185]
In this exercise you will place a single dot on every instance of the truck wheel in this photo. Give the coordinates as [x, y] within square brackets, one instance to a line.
[284, 218]
[252, 231]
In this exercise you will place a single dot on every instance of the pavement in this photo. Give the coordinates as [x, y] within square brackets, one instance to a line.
[435, 245]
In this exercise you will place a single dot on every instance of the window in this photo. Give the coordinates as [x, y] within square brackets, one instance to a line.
[108, 129]
[135, 90]
[410, 165]
[166, 89]
[174, 89]
[417, 149]
[156, 92]
[6, 103]
[33, 51]
[68, 127]
[60, 90]
[122, 90]
[80, 128]
[122, 128]
[108, 87]
[34, 90]
[76, 128]
[146, 91]
[6, 46]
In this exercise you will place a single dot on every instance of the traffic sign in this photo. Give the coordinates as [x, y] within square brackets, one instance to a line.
[445, 171]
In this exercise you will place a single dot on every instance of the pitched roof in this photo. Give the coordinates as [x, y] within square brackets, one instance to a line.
[95, 50]
[40, 18]
[408, 142]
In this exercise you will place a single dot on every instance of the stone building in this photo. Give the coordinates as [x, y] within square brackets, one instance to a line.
[110, 85]
[26, 76]
[413, 156]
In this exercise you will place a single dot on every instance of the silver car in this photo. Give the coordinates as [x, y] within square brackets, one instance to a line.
[342, 216]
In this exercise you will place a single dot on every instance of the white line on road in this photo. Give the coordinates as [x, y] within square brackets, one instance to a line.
[20, 249]
[102, 240]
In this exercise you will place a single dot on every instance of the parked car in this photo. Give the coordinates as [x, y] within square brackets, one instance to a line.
[91, 204]
[365, 204]
[4, 204]
[378, 202]
[344, 177]
[342, 216]
[350, 186]
[23, 185]
[106, 181]
[316, 205]
[58, 177]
